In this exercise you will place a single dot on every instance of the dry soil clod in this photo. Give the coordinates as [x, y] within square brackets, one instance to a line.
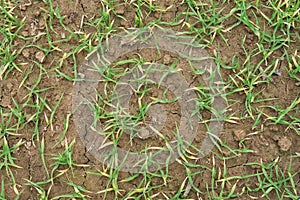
[167, 59]
[9, 86]
[25, 33]
[40, 56]
[26, 53]
[285, 144]
[120, 10]
[239, 135]
[23, 7]
[5, 101]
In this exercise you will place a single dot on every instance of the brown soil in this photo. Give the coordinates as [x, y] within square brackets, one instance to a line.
[271, 141]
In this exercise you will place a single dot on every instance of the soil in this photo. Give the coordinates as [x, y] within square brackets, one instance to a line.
[267, 141]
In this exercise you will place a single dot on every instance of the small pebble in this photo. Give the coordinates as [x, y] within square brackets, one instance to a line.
[23, 7]
[81, 75]
[125, 23]
[37, 13]
[144, 133]
[40, 56]
[277, 72]
[120, 10]
[28, 144]
[33, 31]
[26, 53]
[41, 24]
[274, 128]
[276, 137]
[10, 86]
[239, 135]
[25, 33]
[249, 41]
[284, 144]
[5, 101]
[167, 59]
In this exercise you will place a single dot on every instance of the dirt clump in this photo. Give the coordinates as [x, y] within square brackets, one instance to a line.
[239, 135]
[284, 143]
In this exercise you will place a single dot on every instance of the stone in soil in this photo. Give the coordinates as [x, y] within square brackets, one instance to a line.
[26, 53]
[23, 7]
[5, 101]
[120, 10]
[40, 56]
[25, 33]
[167, 59]
[285, 144]
[9, 86]
[239, 135]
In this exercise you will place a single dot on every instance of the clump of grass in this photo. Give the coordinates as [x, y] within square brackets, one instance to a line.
[10, 27]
